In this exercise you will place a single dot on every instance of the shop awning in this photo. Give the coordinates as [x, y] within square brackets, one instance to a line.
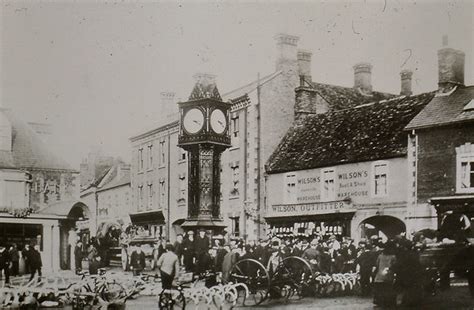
[151, 217]
[340, 216]
[457, 204]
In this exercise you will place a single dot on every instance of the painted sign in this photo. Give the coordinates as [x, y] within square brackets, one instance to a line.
[309, 208]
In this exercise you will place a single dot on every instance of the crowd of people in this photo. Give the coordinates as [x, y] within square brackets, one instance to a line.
[11, 257]
[386, 269]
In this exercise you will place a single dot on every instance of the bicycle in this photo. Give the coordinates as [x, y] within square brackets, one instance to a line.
[172, 298]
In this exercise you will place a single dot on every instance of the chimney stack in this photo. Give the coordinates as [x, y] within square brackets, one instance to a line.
[286, 52]
[406, 76]
[169, 107]
[450, 67]
[304, 66]
[362, 77]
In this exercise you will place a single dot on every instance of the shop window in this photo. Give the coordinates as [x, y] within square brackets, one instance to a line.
[328, 190]
[140, 159]
[150, 156]
[380, 179]
[290, 188]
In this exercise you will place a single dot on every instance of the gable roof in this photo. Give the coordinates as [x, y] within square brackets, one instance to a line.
[367, 132]
[340, 97]
[445, 110]
[28, 151]
[123, 180]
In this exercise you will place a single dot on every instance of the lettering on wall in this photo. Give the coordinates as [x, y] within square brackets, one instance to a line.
[353, 184]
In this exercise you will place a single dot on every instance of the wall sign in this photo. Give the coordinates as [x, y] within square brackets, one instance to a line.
[309, 208]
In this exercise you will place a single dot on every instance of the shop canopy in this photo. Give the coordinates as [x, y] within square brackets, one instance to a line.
[151, 217]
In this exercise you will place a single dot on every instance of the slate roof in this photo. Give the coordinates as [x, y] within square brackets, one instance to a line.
[445, 110]
[124, 180]
[28, 150]
[340, 97]
[248, 88]
[367, 132]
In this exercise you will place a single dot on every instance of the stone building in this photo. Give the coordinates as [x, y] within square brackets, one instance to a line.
[38, 193]
[261, 113]
[440, 147]
[342, 167]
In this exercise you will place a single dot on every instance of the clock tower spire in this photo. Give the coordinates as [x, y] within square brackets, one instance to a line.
[204, 133]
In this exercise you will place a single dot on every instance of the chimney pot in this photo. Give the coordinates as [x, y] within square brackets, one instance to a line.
[362, 76]
[304, 66]
[406, 78]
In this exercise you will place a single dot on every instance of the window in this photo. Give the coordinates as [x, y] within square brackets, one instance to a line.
[150, 196]
[236, 226]
[465, 169]
[182, 155]
[379, 182]
[235, 179]
[150, 156]
[140, 159]
[328, 190]
[162, 153]
[38, 185]
[140, 197]
[162, 193]
[182, 188]
[290, 188]
[235, 130]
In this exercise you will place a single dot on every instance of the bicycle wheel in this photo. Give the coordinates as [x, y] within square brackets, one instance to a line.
[169, 301]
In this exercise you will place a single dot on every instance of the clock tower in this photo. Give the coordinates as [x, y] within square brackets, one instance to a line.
[204, 133]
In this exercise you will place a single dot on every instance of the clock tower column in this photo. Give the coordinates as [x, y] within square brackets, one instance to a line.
[204, 133]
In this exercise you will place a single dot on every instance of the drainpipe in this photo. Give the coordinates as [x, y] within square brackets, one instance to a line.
[259, 132]
[168, 226]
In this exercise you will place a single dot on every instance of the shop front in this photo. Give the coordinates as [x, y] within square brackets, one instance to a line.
[455, 215]
[150, 224]
[311, 219]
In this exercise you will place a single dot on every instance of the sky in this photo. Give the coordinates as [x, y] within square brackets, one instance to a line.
[95, 70]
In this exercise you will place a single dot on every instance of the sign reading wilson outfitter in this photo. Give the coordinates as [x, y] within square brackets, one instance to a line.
[309, 208]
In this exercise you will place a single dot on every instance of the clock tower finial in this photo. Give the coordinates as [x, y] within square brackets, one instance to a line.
[205, 87]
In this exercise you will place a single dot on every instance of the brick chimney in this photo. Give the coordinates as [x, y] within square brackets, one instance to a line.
[286, 60]
[405, 77]
[304, 66]
[169, 106]
[362, 77]
[450, 67]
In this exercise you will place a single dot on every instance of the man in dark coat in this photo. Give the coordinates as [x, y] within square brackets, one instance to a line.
[5, 263]
[78, 256]
[178, 246]
[202, 247]
[137, 261]
[15, 259]
[35, 262]
[364, 264]
[189, 252]
[25, 253]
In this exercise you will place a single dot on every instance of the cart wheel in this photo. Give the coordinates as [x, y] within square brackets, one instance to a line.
[298, 274]
[251, 273]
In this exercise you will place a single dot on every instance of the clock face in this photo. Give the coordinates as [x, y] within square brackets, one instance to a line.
[218, 121]
[193, 121]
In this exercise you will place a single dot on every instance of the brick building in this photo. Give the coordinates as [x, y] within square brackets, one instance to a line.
[38, 193]
[261, 113]
[342, 167]
[440, 141]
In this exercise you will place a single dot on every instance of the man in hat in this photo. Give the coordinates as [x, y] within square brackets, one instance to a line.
[364, 264]
[168, 263]
[189, 251]
[202, 248]
[5, 264]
